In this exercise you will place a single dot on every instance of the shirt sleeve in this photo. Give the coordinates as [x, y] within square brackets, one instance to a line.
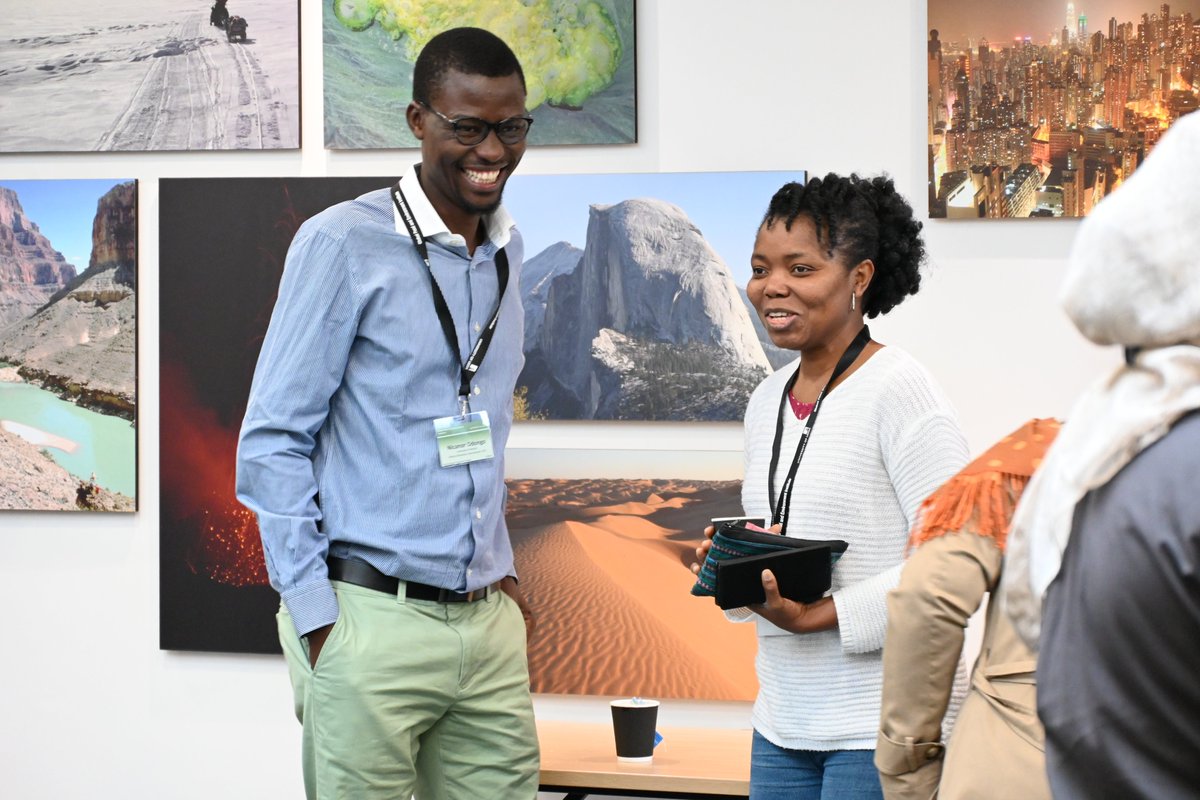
[919, 459]
[300, 366]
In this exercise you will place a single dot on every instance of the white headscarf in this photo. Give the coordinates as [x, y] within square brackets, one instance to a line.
[1133, 280]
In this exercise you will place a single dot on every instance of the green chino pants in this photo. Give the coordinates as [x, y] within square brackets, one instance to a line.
[413, 696]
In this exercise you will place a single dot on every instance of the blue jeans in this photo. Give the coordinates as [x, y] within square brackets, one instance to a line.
[777, 773]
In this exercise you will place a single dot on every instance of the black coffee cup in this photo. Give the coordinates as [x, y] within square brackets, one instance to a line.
[633, 727]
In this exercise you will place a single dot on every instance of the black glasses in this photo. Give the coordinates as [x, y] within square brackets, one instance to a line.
[471, 131]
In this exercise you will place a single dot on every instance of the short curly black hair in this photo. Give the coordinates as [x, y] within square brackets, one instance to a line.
[472, 51]
[856, 219]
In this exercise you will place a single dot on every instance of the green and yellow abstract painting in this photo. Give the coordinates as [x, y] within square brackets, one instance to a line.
[578, 57]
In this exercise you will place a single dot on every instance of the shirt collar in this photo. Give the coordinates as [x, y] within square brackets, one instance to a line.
[499, 223]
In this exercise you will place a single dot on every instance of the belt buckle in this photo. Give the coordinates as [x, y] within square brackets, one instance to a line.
[451, 596]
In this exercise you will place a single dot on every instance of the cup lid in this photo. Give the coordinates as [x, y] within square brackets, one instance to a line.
[634, 702]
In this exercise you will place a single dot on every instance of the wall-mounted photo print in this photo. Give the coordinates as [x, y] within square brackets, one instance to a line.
[222, 244]
[604, 566]
[634, 292]
[578, 57]
[150, 75]
[1040, 109]
[68, 345]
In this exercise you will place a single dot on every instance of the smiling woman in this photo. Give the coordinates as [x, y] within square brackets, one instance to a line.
[828, 254]
[804, 294]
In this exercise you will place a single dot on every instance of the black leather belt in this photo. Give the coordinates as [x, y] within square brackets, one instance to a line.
[363, 574]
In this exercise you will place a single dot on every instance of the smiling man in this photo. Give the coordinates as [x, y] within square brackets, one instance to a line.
[372, 453]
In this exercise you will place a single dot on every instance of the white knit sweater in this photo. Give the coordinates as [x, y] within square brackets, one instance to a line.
[882, 442]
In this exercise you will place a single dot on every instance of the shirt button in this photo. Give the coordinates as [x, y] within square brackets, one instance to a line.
[477, 390]
[470, 571]
[478, 514]
[478, 327]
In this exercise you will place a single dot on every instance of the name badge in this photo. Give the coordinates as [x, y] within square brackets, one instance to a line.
[463, 438]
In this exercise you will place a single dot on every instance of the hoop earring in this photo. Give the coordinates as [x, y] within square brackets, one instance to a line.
[852, 301]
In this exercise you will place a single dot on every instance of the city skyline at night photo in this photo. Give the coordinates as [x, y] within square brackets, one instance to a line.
[1041, 109]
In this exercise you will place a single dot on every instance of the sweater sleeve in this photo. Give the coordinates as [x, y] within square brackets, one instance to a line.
[861, 613]
[926, 454]
[754, 410]
[919, 457]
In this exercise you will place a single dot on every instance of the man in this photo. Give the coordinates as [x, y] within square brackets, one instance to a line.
[1106, 541]
[372, 453]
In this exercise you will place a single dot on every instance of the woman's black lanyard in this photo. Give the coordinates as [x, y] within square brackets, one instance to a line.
[443, 310]
[781, 510]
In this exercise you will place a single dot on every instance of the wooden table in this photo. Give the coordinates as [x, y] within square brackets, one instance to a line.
[579, 758]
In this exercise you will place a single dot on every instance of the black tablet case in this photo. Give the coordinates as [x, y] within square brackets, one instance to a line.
[733, 541]
[803, 574]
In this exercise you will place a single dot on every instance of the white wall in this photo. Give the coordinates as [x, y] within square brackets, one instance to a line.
[92, 708]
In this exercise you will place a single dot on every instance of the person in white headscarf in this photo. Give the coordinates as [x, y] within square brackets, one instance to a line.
[1104, 556]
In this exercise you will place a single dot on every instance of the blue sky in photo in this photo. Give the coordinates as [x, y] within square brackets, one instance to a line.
[726, 206]
[63, 211]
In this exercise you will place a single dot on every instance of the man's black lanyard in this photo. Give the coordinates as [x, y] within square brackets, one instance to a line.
[780, 511]
[443, 310]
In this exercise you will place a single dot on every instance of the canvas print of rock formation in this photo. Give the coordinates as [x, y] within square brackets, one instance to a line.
[634, 291]
[578, 57]
[1042, 109]
[68, 345]
[149, 75]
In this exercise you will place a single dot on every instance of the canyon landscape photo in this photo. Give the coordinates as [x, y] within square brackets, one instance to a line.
[68, 346]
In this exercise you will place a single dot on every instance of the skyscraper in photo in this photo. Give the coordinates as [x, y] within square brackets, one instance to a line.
[962, 97]
[1116, 95]
[937, 104]
[1071, 21]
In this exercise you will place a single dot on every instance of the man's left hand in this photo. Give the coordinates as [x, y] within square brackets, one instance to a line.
[511, 588]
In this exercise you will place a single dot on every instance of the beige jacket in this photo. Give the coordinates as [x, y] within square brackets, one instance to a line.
[996, 748]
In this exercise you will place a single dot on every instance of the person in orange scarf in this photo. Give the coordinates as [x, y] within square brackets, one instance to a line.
[997, 745]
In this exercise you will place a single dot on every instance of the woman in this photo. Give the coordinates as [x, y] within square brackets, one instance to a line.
[828, 254]
[998, 746]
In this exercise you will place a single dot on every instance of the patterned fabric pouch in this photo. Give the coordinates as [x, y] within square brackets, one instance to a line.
[737, 541]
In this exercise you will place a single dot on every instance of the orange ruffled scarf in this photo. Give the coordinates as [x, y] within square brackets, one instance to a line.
[984, 494]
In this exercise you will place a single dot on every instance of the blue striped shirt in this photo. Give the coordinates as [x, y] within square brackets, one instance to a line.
[337, 453]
